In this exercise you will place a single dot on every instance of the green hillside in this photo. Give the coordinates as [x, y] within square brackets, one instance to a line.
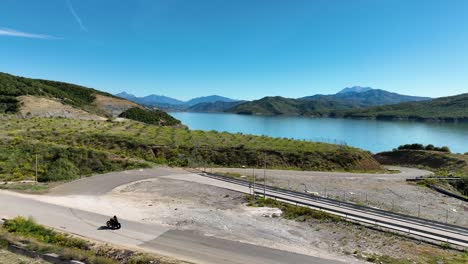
[67, 148]
[452, 108]
[13, 86]
[83, 98]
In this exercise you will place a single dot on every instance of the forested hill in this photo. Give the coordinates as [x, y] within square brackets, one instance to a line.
[322, 105]
[12, 87]
[44, 98]
[452, 108]
[286, 106]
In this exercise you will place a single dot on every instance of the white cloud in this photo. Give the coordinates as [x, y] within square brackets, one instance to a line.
[75, 15]
[16, 33]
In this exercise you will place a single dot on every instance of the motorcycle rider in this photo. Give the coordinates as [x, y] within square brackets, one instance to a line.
[114, 220]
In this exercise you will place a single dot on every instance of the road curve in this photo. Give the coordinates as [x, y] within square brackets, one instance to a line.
[101, 184]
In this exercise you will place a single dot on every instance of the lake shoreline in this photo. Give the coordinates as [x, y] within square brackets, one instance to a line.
[374, 135]
[380, 118]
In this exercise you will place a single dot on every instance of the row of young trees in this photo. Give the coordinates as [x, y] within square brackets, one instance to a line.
[417, 146]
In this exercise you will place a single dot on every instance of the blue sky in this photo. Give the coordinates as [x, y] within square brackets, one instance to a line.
[243, 49]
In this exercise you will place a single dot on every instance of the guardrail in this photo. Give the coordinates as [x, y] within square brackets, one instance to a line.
[350, 206]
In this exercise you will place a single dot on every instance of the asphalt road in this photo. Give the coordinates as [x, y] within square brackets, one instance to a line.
[186, 245]
[101, 184]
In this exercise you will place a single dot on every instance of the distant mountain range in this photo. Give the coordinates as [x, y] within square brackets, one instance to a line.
[213, 107]
[451, 108]
[352, 102]
[323, 105]
[364, 96]
[165, 102]
[209, 99]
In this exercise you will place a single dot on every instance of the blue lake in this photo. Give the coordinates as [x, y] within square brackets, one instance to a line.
[370, 135]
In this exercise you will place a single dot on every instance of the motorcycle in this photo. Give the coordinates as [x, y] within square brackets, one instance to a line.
[111, 224]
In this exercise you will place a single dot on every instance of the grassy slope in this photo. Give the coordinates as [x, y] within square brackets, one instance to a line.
[445, 108]
[438, 161]
[86, 147]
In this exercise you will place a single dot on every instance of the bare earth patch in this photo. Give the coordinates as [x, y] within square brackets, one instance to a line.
[112, 105]
[35, 106]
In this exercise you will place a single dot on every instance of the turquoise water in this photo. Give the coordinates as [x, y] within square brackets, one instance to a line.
[370, 135]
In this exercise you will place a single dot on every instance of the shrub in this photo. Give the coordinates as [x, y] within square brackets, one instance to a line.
[429, 147]
[445, 149]
[60, 170]
[153, 117]
[412, 146]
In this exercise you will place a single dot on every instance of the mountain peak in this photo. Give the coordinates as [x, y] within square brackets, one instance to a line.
[355, 89]
[124, 95]
[209, 99]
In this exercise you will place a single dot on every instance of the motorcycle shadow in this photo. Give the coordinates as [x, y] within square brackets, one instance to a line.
[104, 228]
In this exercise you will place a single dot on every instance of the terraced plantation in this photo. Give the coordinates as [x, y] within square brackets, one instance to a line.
[68, 148]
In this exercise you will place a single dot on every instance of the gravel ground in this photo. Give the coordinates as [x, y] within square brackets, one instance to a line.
[386, 191]
[222, 213]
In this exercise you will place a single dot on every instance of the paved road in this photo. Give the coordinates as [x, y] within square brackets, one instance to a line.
[101, 184]
[187, 245]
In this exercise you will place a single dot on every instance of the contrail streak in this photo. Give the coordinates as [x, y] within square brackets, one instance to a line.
[15, 33]
[75, 15]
